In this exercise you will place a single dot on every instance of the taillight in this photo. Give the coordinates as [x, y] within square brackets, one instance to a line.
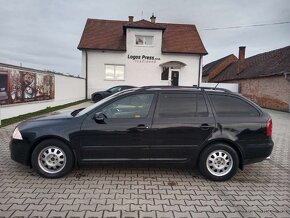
[269, 128]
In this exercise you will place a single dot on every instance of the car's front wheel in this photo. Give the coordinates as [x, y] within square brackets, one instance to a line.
[52, 158]
[218, 162]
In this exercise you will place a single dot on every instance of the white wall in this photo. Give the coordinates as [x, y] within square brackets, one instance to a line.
[138, 74]
[67, 90]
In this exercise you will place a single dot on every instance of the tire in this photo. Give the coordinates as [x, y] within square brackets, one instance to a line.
[97, 98]
[52, 159]
[218, 162]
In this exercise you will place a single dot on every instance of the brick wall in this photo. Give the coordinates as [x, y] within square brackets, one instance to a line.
[270, 92]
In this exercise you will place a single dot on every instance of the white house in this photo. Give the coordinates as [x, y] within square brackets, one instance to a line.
[140, 53]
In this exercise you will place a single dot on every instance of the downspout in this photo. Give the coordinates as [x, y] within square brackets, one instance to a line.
[199, 69]
[86, 74]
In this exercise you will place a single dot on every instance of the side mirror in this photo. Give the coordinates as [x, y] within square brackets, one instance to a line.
[100, 117]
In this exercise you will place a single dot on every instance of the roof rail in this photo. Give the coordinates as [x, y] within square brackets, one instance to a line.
[214, 88]
[186, 87]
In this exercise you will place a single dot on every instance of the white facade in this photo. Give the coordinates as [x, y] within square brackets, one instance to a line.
[141, 71]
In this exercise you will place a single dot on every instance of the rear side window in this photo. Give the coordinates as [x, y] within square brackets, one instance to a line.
[181, 106]
[229, 106]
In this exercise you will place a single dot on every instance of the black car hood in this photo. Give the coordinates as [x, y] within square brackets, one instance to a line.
[54, 116]
[53, 119]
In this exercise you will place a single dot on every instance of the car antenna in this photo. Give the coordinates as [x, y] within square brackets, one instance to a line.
[216, 86]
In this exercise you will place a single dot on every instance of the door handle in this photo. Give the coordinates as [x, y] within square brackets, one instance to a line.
[142, 127]
[204, 126]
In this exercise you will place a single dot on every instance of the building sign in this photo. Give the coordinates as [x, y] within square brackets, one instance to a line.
[23, 86]
[143, 58]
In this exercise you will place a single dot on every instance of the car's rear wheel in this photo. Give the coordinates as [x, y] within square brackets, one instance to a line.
[52, 158]
[97, 98]
[218, 162]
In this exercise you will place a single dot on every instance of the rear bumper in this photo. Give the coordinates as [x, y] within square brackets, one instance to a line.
[20, 151]
[258, 153]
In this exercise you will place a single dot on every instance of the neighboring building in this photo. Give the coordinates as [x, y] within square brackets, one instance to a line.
[212, 69]
[264, 78]
[140, 53]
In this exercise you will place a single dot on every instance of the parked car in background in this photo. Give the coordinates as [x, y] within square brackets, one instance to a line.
[214, 129]
[97, 96]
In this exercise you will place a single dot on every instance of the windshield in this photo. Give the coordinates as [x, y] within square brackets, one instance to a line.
[114, 89]
[97, 104]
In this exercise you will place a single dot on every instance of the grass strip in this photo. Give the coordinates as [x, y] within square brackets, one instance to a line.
[22, 117]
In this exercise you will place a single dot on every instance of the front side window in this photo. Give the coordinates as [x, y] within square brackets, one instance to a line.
[114, 72]
[182, 106]
[144, 40]
[229, 106]
[134, 106]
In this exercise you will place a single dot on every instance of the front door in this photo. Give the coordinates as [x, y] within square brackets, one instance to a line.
[121, 135]
[174, 77]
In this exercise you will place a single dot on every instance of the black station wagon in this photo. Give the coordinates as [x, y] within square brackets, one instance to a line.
[212, 129]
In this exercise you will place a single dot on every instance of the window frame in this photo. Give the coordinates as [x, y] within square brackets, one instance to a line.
[115, 65]
[144, 40]
[233, 96]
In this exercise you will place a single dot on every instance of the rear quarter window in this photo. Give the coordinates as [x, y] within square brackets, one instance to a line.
[230, 106]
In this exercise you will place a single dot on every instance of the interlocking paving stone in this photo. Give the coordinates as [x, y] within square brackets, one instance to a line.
[261, 190]
[76, 214]
[36, 213]
[131, 214]
[93, 214]
[58, 214]
[18, 213]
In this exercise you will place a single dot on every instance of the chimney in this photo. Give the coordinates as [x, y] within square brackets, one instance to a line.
[153, 18]
[131, 18]
[241, 61]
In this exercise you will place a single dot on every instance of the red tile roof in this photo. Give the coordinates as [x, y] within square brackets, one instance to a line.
[270, 63]
[110, 35]
[208, 68]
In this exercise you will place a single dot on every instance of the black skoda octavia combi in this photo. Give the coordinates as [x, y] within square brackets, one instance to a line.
[212, 129]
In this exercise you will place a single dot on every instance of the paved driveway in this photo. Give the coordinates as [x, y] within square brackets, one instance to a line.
[261, 190]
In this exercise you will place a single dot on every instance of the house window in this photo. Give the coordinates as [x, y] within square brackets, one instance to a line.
[144, 40]
[114, 72]
[165, 73]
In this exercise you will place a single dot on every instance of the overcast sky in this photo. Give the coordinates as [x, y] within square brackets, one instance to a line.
[45, 34]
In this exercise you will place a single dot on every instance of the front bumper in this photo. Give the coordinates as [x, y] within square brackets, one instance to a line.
[20, 151]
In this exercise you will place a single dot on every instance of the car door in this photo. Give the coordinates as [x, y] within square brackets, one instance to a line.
[181, 123]
[117, 131]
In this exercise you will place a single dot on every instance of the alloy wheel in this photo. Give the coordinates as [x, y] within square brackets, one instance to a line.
[51, 159]
[219, 163]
